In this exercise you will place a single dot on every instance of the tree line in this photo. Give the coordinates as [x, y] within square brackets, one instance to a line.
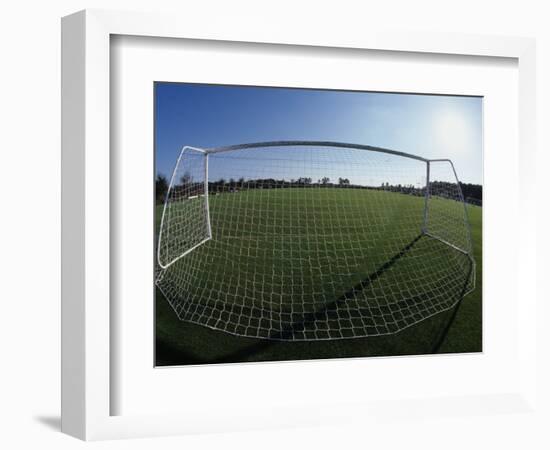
[231, 185]
[471, 192]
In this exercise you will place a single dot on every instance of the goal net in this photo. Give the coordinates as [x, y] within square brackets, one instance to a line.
[308, 241]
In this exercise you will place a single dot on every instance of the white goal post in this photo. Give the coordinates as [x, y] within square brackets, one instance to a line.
[184, 240]
[309, 240]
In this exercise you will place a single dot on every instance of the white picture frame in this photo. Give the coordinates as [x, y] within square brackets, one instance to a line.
[86, 246]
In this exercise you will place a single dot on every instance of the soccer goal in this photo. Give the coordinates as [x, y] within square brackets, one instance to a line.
[312, 240]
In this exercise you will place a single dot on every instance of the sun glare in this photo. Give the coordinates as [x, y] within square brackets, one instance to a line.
[452, 132]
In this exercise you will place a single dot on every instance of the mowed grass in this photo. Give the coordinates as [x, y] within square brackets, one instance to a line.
[293, 213]
[299, 246]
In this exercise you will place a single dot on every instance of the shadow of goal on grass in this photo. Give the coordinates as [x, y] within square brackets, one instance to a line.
[309, 321]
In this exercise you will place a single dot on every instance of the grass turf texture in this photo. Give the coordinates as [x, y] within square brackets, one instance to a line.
[457, 330]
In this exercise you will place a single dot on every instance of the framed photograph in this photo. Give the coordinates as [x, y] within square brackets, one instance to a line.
[277, 250]
[266, 228]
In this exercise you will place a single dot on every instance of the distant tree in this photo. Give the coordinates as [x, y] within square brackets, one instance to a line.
[161, 188]
[186, 178]
[474, 191]
[343, 181]
[325, 180]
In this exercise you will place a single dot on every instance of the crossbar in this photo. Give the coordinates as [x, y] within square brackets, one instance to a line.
[270, 144]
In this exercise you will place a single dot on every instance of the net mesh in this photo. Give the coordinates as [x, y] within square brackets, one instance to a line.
[309, 243]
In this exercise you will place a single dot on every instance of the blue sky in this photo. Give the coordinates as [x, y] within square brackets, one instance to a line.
[215, 115]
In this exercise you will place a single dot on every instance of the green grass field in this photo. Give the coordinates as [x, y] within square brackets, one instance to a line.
[181, 342]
